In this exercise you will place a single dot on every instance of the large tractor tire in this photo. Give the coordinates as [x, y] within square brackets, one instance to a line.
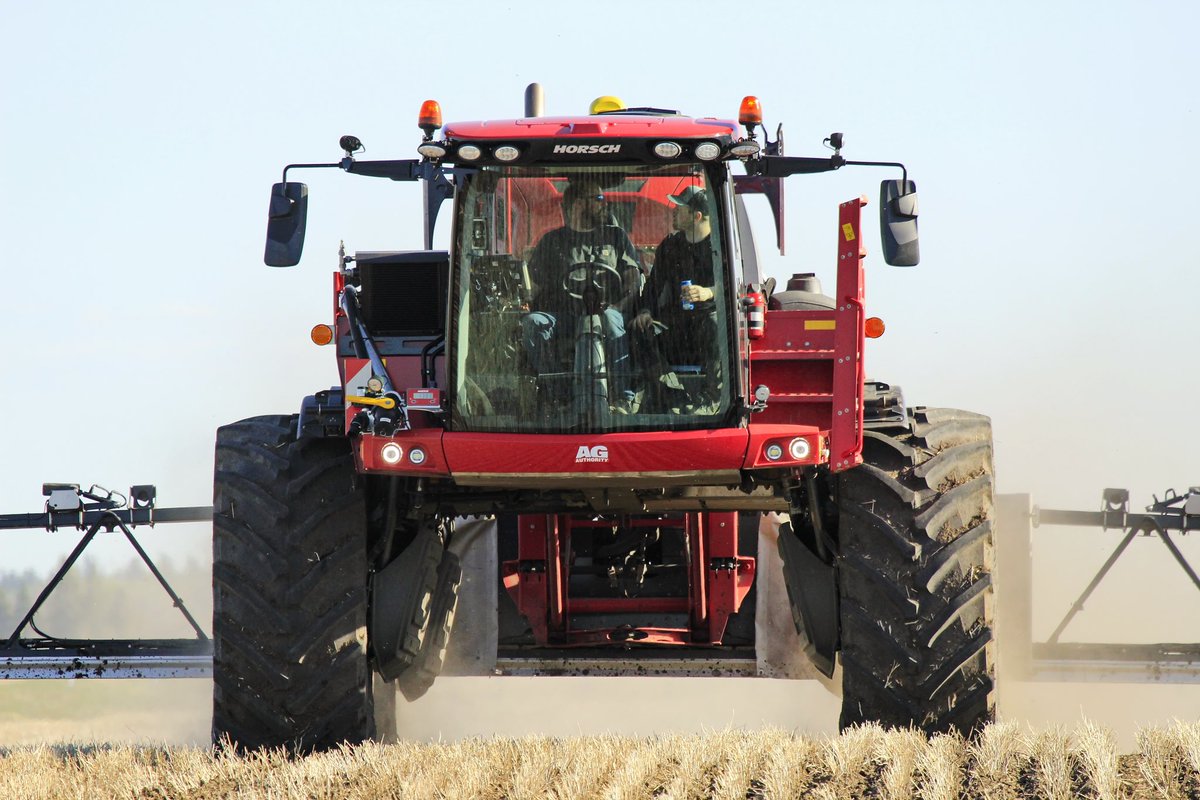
[915, 533]
[290, 662]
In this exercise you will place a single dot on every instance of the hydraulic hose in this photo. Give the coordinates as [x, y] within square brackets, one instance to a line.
[364, 347]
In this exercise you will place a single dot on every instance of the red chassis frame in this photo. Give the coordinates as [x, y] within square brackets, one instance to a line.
[718, 581]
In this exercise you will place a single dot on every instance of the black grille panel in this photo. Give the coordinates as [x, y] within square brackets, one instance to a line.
[404, 293]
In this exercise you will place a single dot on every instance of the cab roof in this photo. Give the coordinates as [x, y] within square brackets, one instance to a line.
[616, 125]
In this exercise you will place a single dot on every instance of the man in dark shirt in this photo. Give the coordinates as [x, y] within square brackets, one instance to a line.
[586, 239]
[677, 324]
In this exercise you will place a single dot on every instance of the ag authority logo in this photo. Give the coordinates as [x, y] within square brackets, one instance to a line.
[585, 454]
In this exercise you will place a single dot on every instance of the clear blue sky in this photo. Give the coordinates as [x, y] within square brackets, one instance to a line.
[1055, 147]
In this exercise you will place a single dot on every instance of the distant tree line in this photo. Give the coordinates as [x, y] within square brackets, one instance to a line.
[98, 603]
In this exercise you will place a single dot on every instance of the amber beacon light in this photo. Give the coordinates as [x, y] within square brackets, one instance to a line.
[430, 118]
[750, 113]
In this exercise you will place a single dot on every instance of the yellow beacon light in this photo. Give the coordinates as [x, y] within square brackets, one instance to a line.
[606, 103]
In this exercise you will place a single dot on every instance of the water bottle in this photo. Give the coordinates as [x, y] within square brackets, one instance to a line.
[687, 306]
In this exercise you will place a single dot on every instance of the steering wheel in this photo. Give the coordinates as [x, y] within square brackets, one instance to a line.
[594, 278]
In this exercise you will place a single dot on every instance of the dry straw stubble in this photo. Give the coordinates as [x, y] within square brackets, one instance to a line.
[1003, 763]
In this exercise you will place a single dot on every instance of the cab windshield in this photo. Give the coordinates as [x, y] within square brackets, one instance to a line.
[589, 300]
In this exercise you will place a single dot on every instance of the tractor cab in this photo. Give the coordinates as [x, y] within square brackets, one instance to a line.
[562, 321]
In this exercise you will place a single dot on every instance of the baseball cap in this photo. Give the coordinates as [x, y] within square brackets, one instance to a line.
[693, 197]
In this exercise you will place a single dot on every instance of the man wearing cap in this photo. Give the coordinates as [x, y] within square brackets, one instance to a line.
[667, 331]
[586, 238]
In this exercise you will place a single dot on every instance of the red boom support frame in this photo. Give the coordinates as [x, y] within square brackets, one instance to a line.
[539, 581]
[846, 433]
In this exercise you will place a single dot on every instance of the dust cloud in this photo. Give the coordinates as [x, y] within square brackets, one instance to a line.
[456, 708]
[476, 703]
[174, 712]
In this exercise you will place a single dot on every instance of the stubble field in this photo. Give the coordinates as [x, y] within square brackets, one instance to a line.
[1006, 761]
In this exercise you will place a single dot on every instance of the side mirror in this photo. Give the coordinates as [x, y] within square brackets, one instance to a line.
[898, 223]
[285, 224]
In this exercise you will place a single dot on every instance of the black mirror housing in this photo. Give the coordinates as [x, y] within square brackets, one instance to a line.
[898, 223]
[286, 219]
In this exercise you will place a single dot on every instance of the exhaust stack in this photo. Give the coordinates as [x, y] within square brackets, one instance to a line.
[535, 102]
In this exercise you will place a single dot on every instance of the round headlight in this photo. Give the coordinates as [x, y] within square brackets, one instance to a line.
[469, 152]
[391, 453]
[667, 150]
[707, 151]
[416, 455]
[799, 448]
[431, 150]
[507, 153]
[773, 452]
[746, 149]
[375, 384]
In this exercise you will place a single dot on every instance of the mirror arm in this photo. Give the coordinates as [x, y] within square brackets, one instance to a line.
[770, 166]
[305, 166]
[903, 169]
[782, 166]
[402, 170]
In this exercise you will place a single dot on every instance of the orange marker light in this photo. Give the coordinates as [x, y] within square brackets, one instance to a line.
[321, 334]
[874, 328]
[430, 118]
[751, 112]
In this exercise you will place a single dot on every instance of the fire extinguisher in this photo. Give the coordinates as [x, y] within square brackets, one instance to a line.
[756, 317]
